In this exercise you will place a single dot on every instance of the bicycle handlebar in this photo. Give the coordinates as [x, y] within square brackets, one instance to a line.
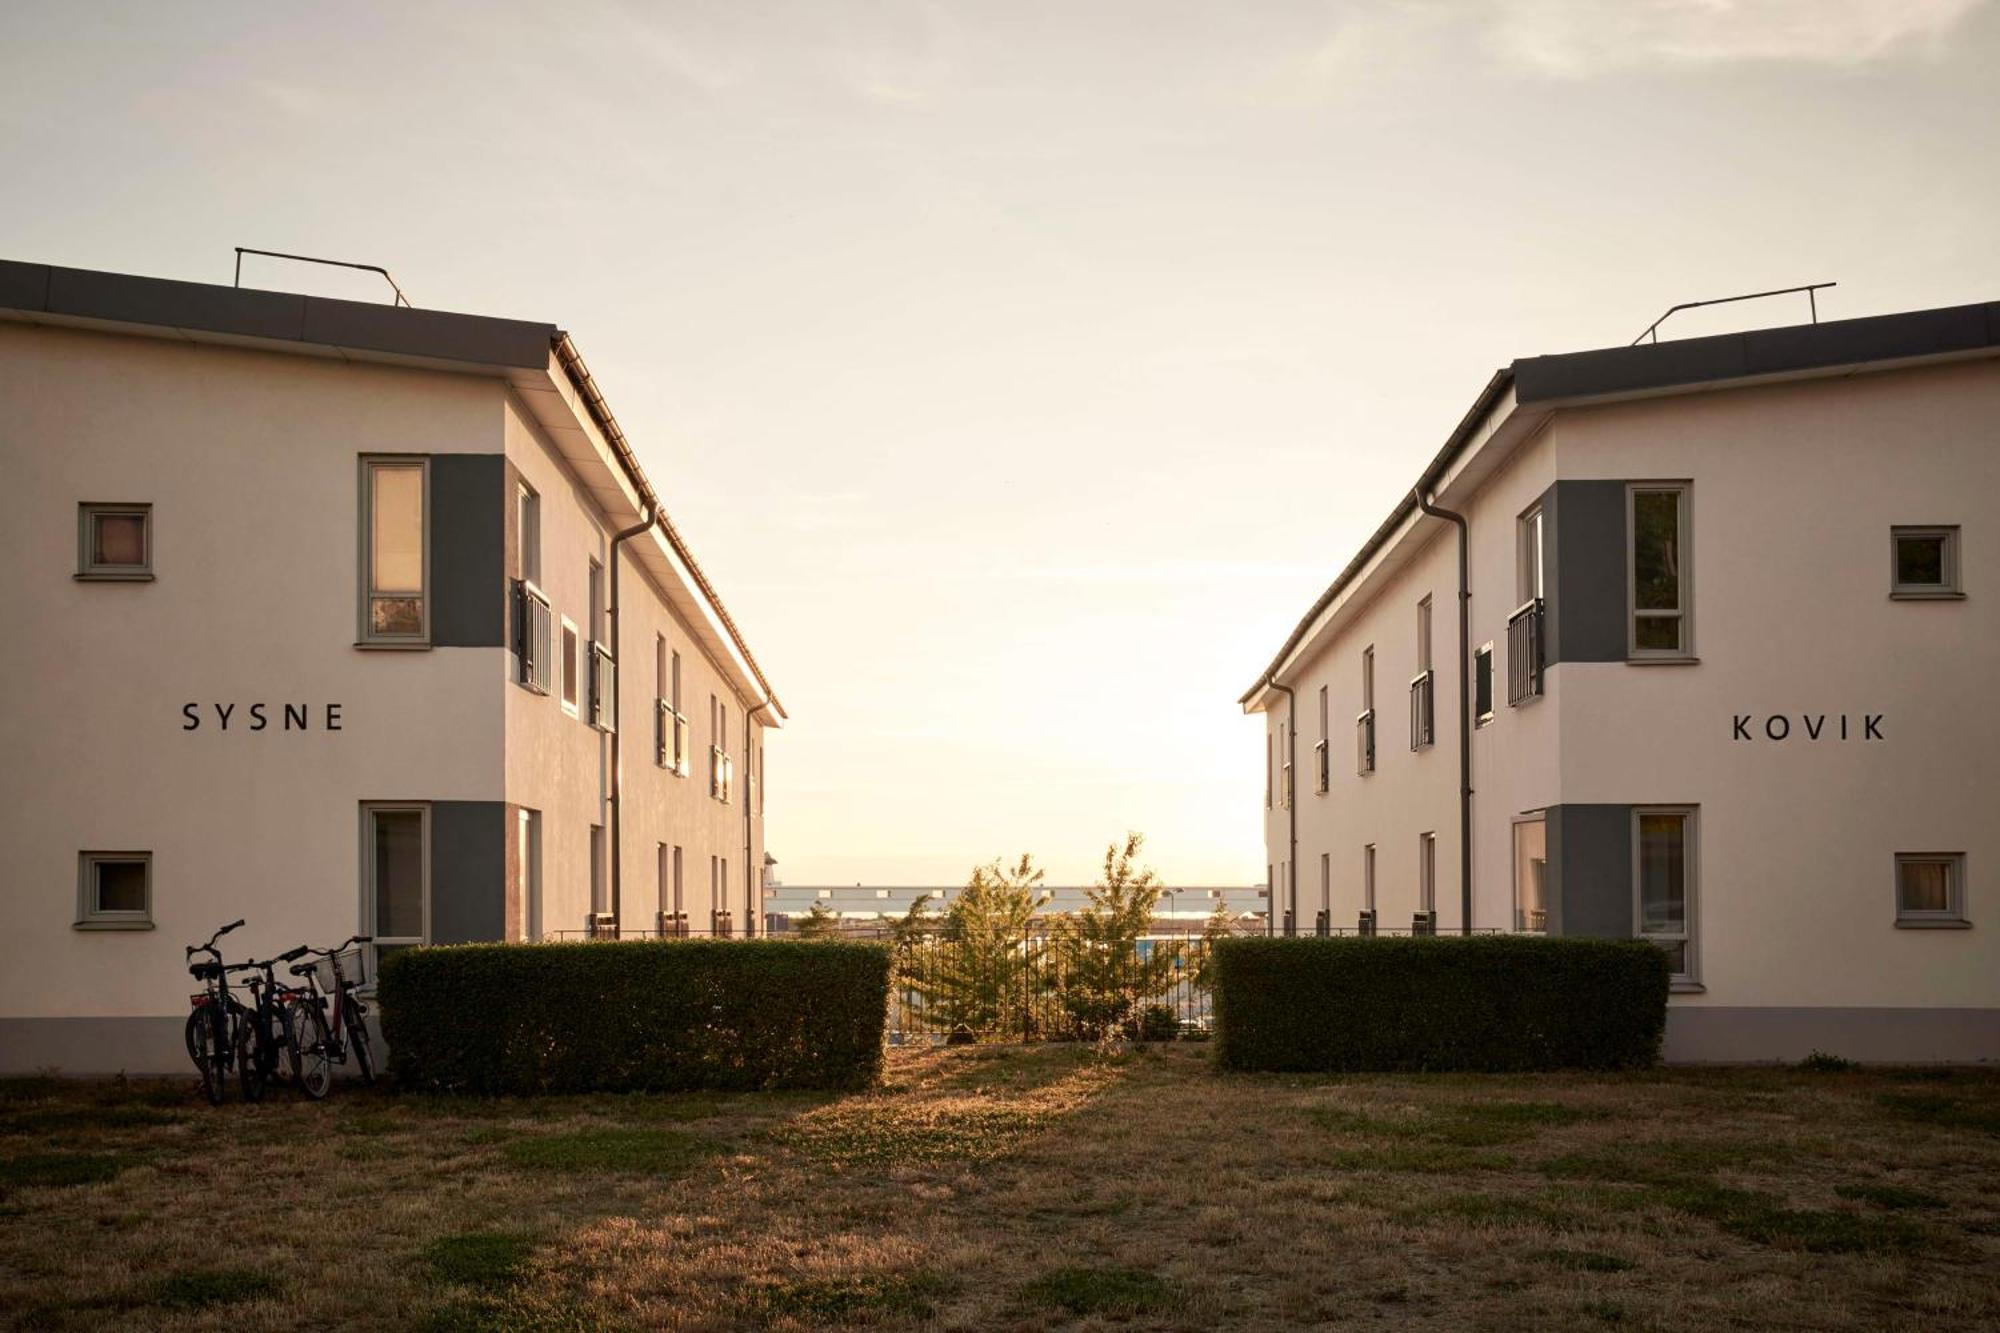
[209, 947]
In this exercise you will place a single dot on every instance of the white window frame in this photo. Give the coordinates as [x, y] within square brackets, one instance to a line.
[1427, 873]
[528, 537]
[1368, 877]
[1530, 569]
[1684, 612]
[88, 569]
[88, 915]
[1689, 978]
[1326, 884]
[367, 636]
[1482, 672]
[528, 872]
[369, 896]
[569, 652]
[1521, 925]
[600, 882]
[1951, 590]
[1954, 916]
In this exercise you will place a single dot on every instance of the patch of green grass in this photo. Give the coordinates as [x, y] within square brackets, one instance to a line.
[1484, 1209]
[198, 1289]
[1664, 1163]
[890, 1135]
[1481, 1124]
[54, 1120]
[506, 1314]
[367, 1126]
[1943, 1110]
[480, 1136]
[480, 1258]
[1609, 1312]
[1423, 1158]
[1109, 1291]
[844, 1300]
[1889, 1196]
[1762, 1219]
[1585, 1261]
[623, 1151]
[29, 1088]
[54, 1170]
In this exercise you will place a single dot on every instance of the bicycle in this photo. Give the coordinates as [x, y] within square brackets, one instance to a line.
[218, 1030]
[274, 1042]
[323, 1042]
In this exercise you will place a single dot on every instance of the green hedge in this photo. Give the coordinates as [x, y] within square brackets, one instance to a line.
[636, 1016]
[1490, 1002]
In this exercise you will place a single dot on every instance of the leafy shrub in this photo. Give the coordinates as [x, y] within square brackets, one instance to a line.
[1823, 1062]
[1491, 1002]
[636, 1016]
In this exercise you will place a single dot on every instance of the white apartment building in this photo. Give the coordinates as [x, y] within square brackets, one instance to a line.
[1732, 611]
[337, 617]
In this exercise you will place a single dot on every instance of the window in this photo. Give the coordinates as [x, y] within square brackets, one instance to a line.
[1930, 889]
[596, 602]
[1322, 769]
[114, 891]
[600, 890]
[1325, 885]
[1427, 872]
[1368, 889]
[394, 555]
[1424, 634]
[1926, 563]
[1364, 724]
[1661, 573]
[1531, 867]
[1482, 685]
[396, 875]
[1285, 761]
[572, 666]
[1663, 885]
[114, 542]
[680, 902]
[1423, 693]
[528, 876]
[528, 515]
[1528, 577]
[1270, 766]
[721, 768]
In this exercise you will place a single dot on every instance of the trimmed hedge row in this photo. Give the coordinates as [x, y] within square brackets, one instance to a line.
[636, 1016]
[1489, 1002]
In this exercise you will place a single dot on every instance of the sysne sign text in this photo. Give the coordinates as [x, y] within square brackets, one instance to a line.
[260, 717]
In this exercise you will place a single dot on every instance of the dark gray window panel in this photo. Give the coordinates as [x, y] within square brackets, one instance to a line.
[469, 841]
[1590, 871]
[1583, 559]
[469, 504]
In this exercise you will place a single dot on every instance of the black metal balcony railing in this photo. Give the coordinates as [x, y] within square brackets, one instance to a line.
[1323, 923]
[1524, 652]
[1423, 711]
[534, 636]
[601, 926]
[1364, 742]
[1365, 927]
[1322, 767]
[603, 686]
[1424, 923]
[1533, 919]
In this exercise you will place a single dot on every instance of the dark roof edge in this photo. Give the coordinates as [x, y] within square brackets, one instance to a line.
[247, 312]
[1496, 387]
[1794, 350]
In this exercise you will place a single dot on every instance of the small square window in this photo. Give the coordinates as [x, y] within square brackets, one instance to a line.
[1926, 562]
[114, 542]
[115, 891]
[1930, 889]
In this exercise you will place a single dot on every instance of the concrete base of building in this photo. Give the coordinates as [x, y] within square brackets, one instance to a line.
[136, 1045]
[1710, 1034]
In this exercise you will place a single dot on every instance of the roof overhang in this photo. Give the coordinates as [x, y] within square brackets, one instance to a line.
[539, 361]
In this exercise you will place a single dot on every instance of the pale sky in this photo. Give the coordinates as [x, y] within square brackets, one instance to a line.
[1021, 371]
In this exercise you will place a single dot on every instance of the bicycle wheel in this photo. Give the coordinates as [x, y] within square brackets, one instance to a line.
[250, 1056]
[206, 1053]
[284, 1064]
[357, 1038]
[307, 1026]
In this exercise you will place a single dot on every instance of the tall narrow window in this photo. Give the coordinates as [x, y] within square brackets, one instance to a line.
[1531, 866]
[1270, 767]
[114, 542]
[663, 912]
[1322, 766]
[1664, 883]
[596, 602]
[680, 901]
[1364, 724]
[1528, 580]
[394, 555]
[528, 876]
[395, 869]
[600, 891]
[1325, 889]
[1660, 569]
[1424, 634]
[1427, 874]
[1482, 685]
[1285, 763]
[572, 666]
[1423, 686]
[1368, 889]
[528, 515]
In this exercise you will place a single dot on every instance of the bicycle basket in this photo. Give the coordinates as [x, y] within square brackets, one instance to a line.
[353, 965]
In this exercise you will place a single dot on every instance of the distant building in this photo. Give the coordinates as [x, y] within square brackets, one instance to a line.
[340, 618]
[1734, 616]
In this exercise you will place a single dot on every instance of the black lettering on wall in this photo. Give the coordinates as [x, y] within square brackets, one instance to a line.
[192, 712]
[1777, 726]
[295, 716]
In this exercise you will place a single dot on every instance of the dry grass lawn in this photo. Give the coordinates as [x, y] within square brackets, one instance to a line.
[996, 1188]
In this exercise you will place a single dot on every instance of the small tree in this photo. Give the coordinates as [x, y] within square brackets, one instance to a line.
[1108, 968]
[977, 977]
[821, 923]
[1220, 925]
